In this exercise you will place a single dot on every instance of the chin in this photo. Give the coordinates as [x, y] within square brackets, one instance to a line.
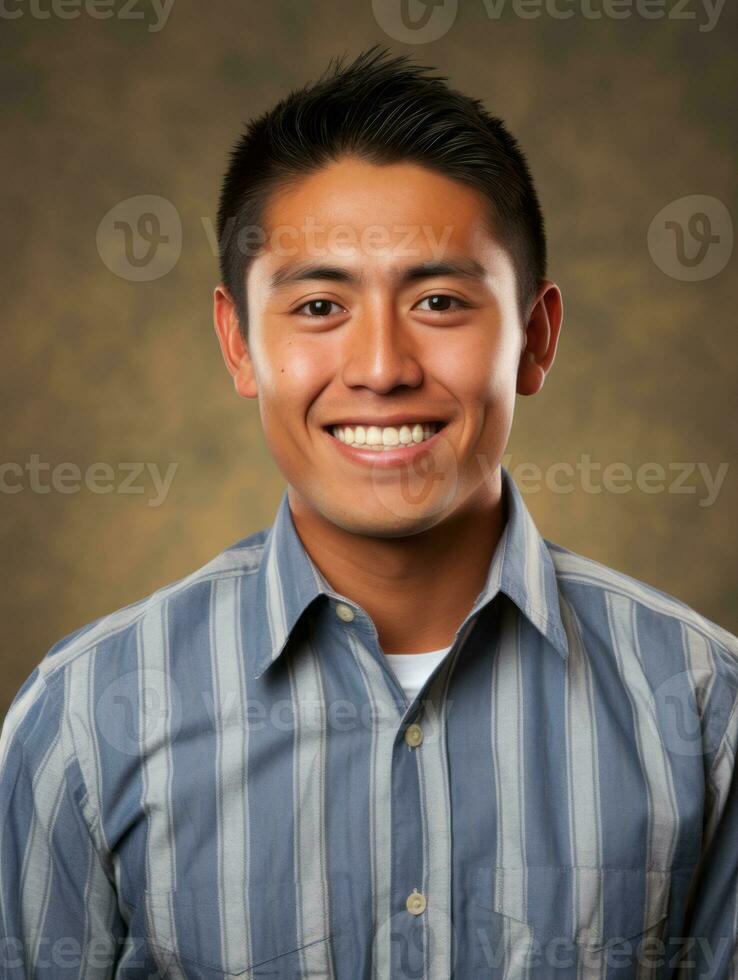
[386, 518]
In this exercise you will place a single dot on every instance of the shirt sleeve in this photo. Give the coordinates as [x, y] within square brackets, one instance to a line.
[711, 949]
[58, 906]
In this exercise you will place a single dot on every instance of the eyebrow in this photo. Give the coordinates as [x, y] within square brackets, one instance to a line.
[307, 271]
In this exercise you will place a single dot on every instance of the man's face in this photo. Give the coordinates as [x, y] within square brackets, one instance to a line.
[350, 322]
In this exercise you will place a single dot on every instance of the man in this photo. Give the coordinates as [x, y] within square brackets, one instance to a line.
[398, 734]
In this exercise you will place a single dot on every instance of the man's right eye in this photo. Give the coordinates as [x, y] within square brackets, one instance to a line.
[319, 307]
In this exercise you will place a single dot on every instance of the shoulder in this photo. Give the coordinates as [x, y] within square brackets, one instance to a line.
[66, 673]
[645, 624]
[580, 575]
[658, 642]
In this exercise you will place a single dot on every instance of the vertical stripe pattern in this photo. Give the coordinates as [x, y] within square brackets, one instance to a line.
[225, 779]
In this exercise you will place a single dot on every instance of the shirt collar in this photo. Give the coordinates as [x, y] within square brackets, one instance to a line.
[288, 581]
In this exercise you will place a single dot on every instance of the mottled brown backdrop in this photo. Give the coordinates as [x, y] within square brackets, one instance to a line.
[620, 117]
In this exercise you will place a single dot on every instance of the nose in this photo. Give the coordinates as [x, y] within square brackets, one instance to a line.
[380, 352]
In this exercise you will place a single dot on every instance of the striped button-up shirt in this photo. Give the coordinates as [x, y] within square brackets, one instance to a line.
[225, 778]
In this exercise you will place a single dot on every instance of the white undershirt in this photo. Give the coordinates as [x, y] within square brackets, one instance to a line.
[413, 669]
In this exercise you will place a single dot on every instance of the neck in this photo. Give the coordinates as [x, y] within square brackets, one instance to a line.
[416, 589]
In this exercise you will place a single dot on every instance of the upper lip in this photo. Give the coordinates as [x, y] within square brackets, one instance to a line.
[397, 419]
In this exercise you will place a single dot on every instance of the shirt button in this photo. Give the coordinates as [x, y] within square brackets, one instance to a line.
[413, 735]
[344, 612]
[415, 902]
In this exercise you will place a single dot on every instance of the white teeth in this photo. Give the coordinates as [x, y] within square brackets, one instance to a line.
[388, 437]
[374, 436]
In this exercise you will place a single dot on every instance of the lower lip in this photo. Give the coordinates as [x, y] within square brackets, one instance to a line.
[385, 457]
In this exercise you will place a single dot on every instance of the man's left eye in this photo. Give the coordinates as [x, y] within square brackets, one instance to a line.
[440, 303]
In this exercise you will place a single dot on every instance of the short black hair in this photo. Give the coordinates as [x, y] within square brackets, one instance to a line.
[385, 110]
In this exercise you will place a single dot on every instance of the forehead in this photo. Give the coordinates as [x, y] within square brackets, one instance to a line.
[400, 210]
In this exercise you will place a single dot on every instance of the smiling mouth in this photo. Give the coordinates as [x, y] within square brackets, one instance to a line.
[385, 438]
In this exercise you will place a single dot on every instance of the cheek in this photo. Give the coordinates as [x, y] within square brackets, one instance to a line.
[291, 377]
[482, 371]
[290, 370]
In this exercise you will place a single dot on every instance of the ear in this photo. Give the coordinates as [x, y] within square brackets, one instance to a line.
[232, 345]
[541, 337]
